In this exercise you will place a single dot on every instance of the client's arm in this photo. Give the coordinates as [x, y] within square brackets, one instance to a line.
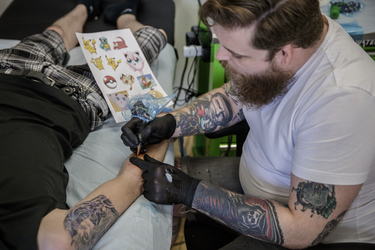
[84, 224]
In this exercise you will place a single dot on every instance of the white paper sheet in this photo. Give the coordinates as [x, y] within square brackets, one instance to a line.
[119, 67]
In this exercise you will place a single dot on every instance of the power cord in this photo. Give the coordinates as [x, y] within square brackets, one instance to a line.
[190, 93]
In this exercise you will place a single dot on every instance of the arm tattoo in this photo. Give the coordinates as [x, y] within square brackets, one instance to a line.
[320, 198]
[250, 216]
[328, 228]
[88, 221]
[206, 114]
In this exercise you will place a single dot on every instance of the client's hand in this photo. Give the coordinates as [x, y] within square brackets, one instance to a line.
[165, 184]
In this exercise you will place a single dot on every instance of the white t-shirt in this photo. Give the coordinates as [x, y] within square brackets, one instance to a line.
[321, 130]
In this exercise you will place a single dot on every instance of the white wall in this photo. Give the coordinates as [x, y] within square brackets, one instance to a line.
[186, 17]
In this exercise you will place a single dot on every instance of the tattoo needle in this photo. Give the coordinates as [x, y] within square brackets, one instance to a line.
[139, 145]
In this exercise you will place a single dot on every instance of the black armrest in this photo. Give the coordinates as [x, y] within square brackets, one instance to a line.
[240, 129]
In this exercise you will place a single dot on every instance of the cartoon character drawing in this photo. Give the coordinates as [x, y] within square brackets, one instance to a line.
[112, 62]
[110, 82]
[119, 100]
[127, 79]
[155, 93]
[146, 81]
[91, 48]
[98, 62]
[119, 44]
[104, 44]
[135, 61]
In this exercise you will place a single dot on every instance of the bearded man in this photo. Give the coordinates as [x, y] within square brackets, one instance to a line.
[307, 91]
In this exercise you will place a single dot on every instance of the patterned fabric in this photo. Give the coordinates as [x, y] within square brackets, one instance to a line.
[46, 53]
[151, 41]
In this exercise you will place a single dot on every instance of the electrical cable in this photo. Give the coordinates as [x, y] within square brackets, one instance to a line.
[189, 92]
[181, 83]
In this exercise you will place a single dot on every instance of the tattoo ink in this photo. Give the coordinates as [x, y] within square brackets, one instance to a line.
[88, 221]
[318, 197]
[328, 229]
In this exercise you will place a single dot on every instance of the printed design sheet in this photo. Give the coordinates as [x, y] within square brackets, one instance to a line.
[119, 67]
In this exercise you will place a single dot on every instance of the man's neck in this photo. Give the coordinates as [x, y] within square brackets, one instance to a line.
[303, 55]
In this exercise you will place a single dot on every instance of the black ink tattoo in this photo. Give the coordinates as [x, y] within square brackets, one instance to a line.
[88, 221]
[328, 228]
[320, 198]
[205, 114]
[249, 216]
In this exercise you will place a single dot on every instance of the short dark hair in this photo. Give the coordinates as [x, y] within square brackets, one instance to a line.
[277, 22]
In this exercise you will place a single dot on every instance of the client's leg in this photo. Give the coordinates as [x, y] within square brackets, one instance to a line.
[150, 40]
[83, 225]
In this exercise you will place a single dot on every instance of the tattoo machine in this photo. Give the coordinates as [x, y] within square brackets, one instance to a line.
[146, 107]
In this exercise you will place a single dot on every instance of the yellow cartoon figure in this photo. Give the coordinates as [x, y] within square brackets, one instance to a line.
[98, 62]
[90, 48]
[156, 93]
[111, 62]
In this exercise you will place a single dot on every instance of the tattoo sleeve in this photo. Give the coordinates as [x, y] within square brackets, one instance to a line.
[250, 216]
[88, 221]
[206, 114]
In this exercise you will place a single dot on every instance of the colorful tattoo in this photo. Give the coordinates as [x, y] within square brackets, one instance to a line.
[206, 114]
[88, 221]
[320, 198]
[328, 228]
[249, 216]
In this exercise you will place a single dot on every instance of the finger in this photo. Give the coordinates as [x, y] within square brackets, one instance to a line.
[140, 163]
[143, 150]
[129, 138]
[134, 150]
[144, 135]
[132, 124]
[150, 159]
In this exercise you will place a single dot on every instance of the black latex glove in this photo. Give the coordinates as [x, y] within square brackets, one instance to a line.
[137, 131]
[165, 184]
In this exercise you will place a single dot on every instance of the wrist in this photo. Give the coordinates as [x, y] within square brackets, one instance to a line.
[189, 197]
[172, 122]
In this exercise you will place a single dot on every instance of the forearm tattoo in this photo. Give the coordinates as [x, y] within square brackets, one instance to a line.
[205, 114]
[88, 221]
[250, 216]
[317, 197]
[328, 228]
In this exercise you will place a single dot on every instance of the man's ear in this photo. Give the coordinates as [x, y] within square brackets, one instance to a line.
[285, 55]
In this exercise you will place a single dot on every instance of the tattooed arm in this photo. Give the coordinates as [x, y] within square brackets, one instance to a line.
[210, 112]
[84, 224]
[312, 212]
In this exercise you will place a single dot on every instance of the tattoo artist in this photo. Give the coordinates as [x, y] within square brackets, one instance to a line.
[307, 90]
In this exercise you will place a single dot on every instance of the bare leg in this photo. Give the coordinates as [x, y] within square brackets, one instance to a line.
[111, 199]
[69, 24]
[129, 21]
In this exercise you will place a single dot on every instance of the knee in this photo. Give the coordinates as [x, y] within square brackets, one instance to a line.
[57, 29]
